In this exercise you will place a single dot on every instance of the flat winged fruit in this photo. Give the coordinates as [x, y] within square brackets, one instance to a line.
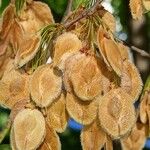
[57, 116]
[13, 88]
[28, 49]
[137, 138]
[101, 35]
[131, 81]
[113, 55]
[45, 85]
[51, 141]
[83, 112]
[123, 51]
[28, 130]
[116, 113]
[86, 78]
[66, 43]
[92, 137]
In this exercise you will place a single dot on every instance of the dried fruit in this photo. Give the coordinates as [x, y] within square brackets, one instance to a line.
[13, 88]
[45, 85]
[8, 17]
[28, 130]
[57, 116]
[32, 20]
[28, 49]
[92, 137]
[66, 43]
[116, 113]
[131, 81]
[136, 8]
[136, 140]
[86, 78]
[113, 55]
[82, 112]
[51, 141]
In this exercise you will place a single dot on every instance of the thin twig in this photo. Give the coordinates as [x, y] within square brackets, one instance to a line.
[140, 51]
[86, 13]
[68, 10]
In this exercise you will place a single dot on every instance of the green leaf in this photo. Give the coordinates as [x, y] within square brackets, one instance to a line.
[5, 147]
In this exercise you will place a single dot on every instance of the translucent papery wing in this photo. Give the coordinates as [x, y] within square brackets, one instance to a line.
[92, 137]
[27, 50]
[45, 85]
[131, 81]
[28, 130]
[51, 141]
[65, 43]
[116, 113]
[83, 112]
[57, 116]
[146, 4]
[8, 18]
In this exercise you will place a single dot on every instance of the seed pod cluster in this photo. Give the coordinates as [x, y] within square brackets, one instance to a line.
[90, 79]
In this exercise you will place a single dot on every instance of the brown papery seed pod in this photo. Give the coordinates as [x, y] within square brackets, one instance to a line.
[66, 43]
[116, 113]
[57, 116]
[102, 34]
[7, 21]
[68, 68]
[28, 49]
[131, 81]
[16, 35]
[28, 130]
[13, 88]
[92, 137]
[83, 112]
[109, 21]
[109, 143]
[51, 141]
[136, 140]
[32, 20]
[136, 9]
[113, 55]
[86, 78]
[45, 85]
[146, 4]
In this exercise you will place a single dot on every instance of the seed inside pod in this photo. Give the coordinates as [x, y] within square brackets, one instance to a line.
[113, 55]
[66, 43]
[116, 113]
[28, 130]
[82, 112]
[137, 138]
[28, 49]
[92, 137]
[136, 9]
[86, 78]
[57, 116]
[45, 85]
[51, 141]
[131, 81]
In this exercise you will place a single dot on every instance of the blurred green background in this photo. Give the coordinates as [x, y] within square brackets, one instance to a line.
[133, 32]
